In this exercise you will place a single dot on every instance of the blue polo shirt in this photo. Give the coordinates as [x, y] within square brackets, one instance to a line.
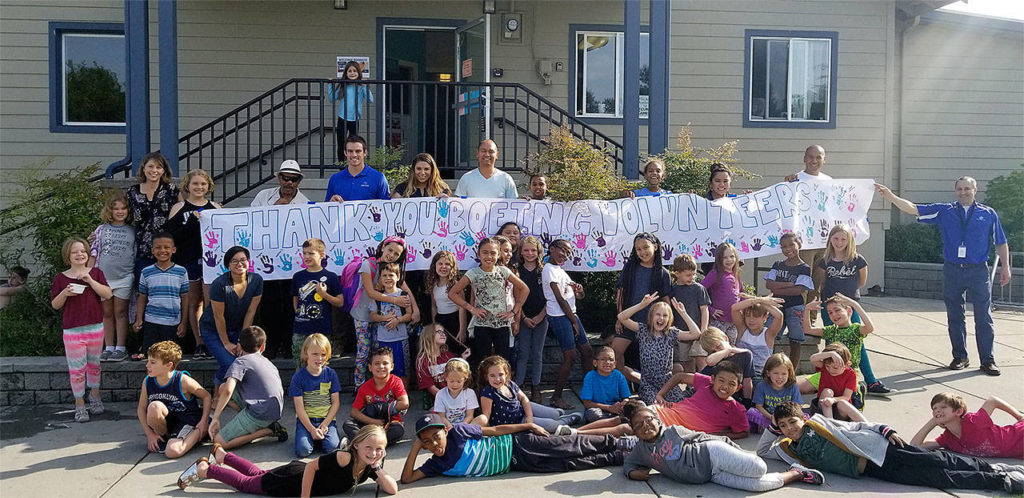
[982, 228]
[368, 184]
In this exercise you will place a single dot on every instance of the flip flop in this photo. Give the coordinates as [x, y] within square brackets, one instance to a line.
[191, 474]
[212, 459]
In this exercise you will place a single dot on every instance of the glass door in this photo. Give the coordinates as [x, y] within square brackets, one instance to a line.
[473, 67]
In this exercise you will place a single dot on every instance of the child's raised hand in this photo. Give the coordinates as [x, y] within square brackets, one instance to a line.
[813, 305]
[843, 299]
[649, 298]
[321, 289]
[678, 306]
[771, 300]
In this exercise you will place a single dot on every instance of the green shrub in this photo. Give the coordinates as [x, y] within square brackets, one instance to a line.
[388, 160]
[687, 168]
[576, 170]
[1004, 194]
[30, 325]
[913, 243]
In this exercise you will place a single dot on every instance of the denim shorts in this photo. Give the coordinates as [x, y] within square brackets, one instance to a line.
[792, 320]
[562, 328]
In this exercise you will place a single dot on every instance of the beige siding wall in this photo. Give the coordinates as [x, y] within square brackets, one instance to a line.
[963, 105]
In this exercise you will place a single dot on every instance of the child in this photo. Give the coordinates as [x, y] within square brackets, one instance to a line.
[315, 390]
[511, 231]
[750, 317]
[331, 474]
[113, 251]
[779, 385]
[163, 292]
[861, 448]
[16, 280]
[259, 389]
[533, 327]
[456, 402]
[431, 360]
[506, 251]
[654, 173]
[716, 343]
[169, 408]
[789, 279]
[538, 187]
[560, 294]
[492, 318]
[837, 387]
[391, 319]
[657, 339]
[390, 250]
[605, 389]
[973, 433]
[711, 409]
[382, 400]
[843, 271]
[642, 274]
[466, 450]
[851, 334]
[315, 290]
[78, 292]
[443, 273]
[695, 457]
[502, 403]
[351, 98]
[689, 356]
[723, 284]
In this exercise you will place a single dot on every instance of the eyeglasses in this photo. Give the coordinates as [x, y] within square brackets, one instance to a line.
[606, 360]
[290, 179]
[242, 262]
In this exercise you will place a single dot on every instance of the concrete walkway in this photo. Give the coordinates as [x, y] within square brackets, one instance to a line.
[43, 453]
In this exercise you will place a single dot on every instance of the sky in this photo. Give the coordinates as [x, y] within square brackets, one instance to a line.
[1008, 9]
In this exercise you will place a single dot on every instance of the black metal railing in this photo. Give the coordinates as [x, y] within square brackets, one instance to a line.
[298, 120]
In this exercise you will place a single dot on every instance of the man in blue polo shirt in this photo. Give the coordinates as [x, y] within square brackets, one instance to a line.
[967, 229]
[357, 182]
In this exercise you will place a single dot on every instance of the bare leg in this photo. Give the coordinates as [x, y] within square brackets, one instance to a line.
[825, 410]
[563, 374]
[805, 386]
[794, 353]
[243, 440]
[120, 320]
[847, 410]
[156, 417]
[195, 307]
[109, 323]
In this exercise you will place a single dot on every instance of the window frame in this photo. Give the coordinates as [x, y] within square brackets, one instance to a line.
[57, 32]
[748, 52]
[619, 32]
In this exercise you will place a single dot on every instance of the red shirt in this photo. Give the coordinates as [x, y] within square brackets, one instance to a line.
[369, 394]
[839, 383]
[427, 376]
[979, 436]
[82, 309]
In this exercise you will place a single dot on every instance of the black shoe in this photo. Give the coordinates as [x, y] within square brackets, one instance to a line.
[878, 388]
[278, 430]
[200, 353]
[959, 363]
[990, 368]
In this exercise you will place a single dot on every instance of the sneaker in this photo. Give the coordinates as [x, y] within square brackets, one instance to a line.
[95, 407]
[185, 431]
[343, 444]
[574, 418]
[200, 353]
[810, 476]
[277, 430]
[959, 363]
[161, 446]
[105, 355]
[563, 430]
[626, 443]
[878, 388]
[990, 369]
[1006, 468]
[1013, 482]
[81, 414]
[117, 355]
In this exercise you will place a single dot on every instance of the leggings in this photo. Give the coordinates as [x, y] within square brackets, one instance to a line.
[341, 132]
[547, 417]
[865, 363]
[246, 476]
[487, 337]
[735, 468]
[530, 349]
[364, 340]
[82, 348]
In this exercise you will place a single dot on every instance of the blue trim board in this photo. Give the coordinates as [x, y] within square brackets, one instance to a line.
[56, 33]
[834, 73]
[136, 14]
[631, 90]
[661, 25]
[167, 45]
[571, 79]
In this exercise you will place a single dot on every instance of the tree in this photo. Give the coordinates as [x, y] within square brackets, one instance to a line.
[94, 95]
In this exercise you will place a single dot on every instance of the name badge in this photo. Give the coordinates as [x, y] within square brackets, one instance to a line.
[961, 252]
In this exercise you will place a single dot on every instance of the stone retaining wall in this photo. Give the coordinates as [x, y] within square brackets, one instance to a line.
[924, 281]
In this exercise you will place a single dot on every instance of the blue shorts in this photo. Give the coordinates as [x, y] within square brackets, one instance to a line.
[562, 328]
[792, 320]
[398, 350]
[195, 271]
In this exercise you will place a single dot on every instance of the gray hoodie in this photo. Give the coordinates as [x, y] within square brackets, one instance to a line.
[677, 452]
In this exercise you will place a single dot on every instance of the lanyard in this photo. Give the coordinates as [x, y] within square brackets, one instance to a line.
[964, 221]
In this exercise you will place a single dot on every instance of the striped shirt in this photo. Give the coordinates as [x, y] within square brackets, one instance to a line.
[470, 454]
[163, 290]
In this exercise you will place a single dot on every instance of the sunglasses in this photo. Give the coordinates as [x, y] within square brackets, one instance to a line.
[290, 179]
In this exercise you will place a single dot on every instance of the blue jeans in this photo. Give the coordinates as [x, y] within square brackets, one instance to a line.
[304, 442]
[530, 349]
[216, 348]
[567, 338]
[975, 280]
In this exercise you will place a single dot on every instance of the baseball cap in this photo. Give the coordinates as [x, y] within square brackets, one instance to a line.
[428, 420]
[290, 166]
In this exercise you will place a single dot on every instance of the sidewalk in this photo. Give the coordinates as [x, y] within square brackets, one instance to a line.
[43, 453]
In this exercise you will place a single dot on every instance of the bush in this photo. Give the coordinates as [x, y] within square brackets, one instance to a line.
[30, 325]
[388, 160]
[576, 170]
[1004, 195]
[687, 168]
[913, 243]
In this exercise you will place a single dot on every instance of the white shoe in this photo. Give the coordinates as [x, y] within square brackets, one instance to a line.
[564, 430]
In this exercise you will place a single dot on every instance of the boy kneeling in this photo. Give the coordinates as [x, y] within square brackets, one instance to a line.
[169, 403]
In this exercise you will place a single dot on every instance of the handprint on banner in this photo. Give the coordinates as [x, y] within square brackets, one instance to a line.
[252, 266]
[410, 253]
[853, 202]
[756, 244]
[442, 208]
[581, 241]
[682, 248]
[822, 200]
[375, 214]
[211, 239]
[467, 237]
[400, 230]
[592, 258]
[697, 252]
[356, 254]
[576, 258]
[666, 252]
[624, 254]
[244, 238]
[302, 262]
[426, 250]
[378, 236]
[712, 247]
[443, 247]
[824, 229]
[773, 240]
[609, 259]
[268, 263]
[545, 239]
[210, 258]
[481, 235]
[810, 232]
[286, 262]
[599, 238]
[744, 248]
[339, 257]
[460, 252]
[442, 229]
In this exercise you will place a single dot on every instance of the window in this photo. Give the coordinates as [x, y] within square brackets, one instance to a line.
[790, 79]
[88, 78]
[598, 65]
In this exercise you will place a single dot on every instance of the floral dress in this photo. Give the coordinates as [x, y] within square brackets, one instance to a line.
[656, 363]
[149, 216]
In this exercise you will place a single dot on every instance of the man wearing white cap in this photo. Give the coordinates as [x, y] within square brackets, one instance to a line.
[289, 175]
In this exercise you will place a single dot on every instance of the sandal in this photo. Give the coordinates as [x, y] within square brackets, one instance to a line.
[212, 459]
[191, 474]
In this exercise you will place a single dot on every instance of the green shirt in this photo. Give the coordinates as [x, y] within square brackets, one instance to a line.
[850, 336]
[820, 453]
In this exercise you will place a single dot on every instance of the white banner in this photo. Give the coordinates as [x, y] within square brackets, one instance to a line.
[601, 232]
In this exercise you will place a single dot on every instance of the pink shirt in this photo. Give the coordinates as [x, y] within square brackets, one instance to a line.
[705, 411]
[724, 291]
[980, 437]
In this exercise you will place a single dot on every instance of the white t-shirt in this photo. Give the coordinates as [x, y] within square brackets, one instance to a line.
[499, 185]
[555, 273]
[445, 305]
[802, 176]
[454, 409]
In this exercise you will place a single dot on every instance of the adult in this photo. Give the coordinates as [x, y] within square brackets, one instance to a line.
[814, 162]
[234, 297]
[424, 180]
[358, 181]
[486, 180]
[967, 228]
[719, 185]
[150, 202]
[277, 313]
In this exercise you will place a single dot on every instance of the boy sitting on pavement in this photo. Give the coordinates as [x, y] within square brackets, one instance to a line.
[169, 403]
